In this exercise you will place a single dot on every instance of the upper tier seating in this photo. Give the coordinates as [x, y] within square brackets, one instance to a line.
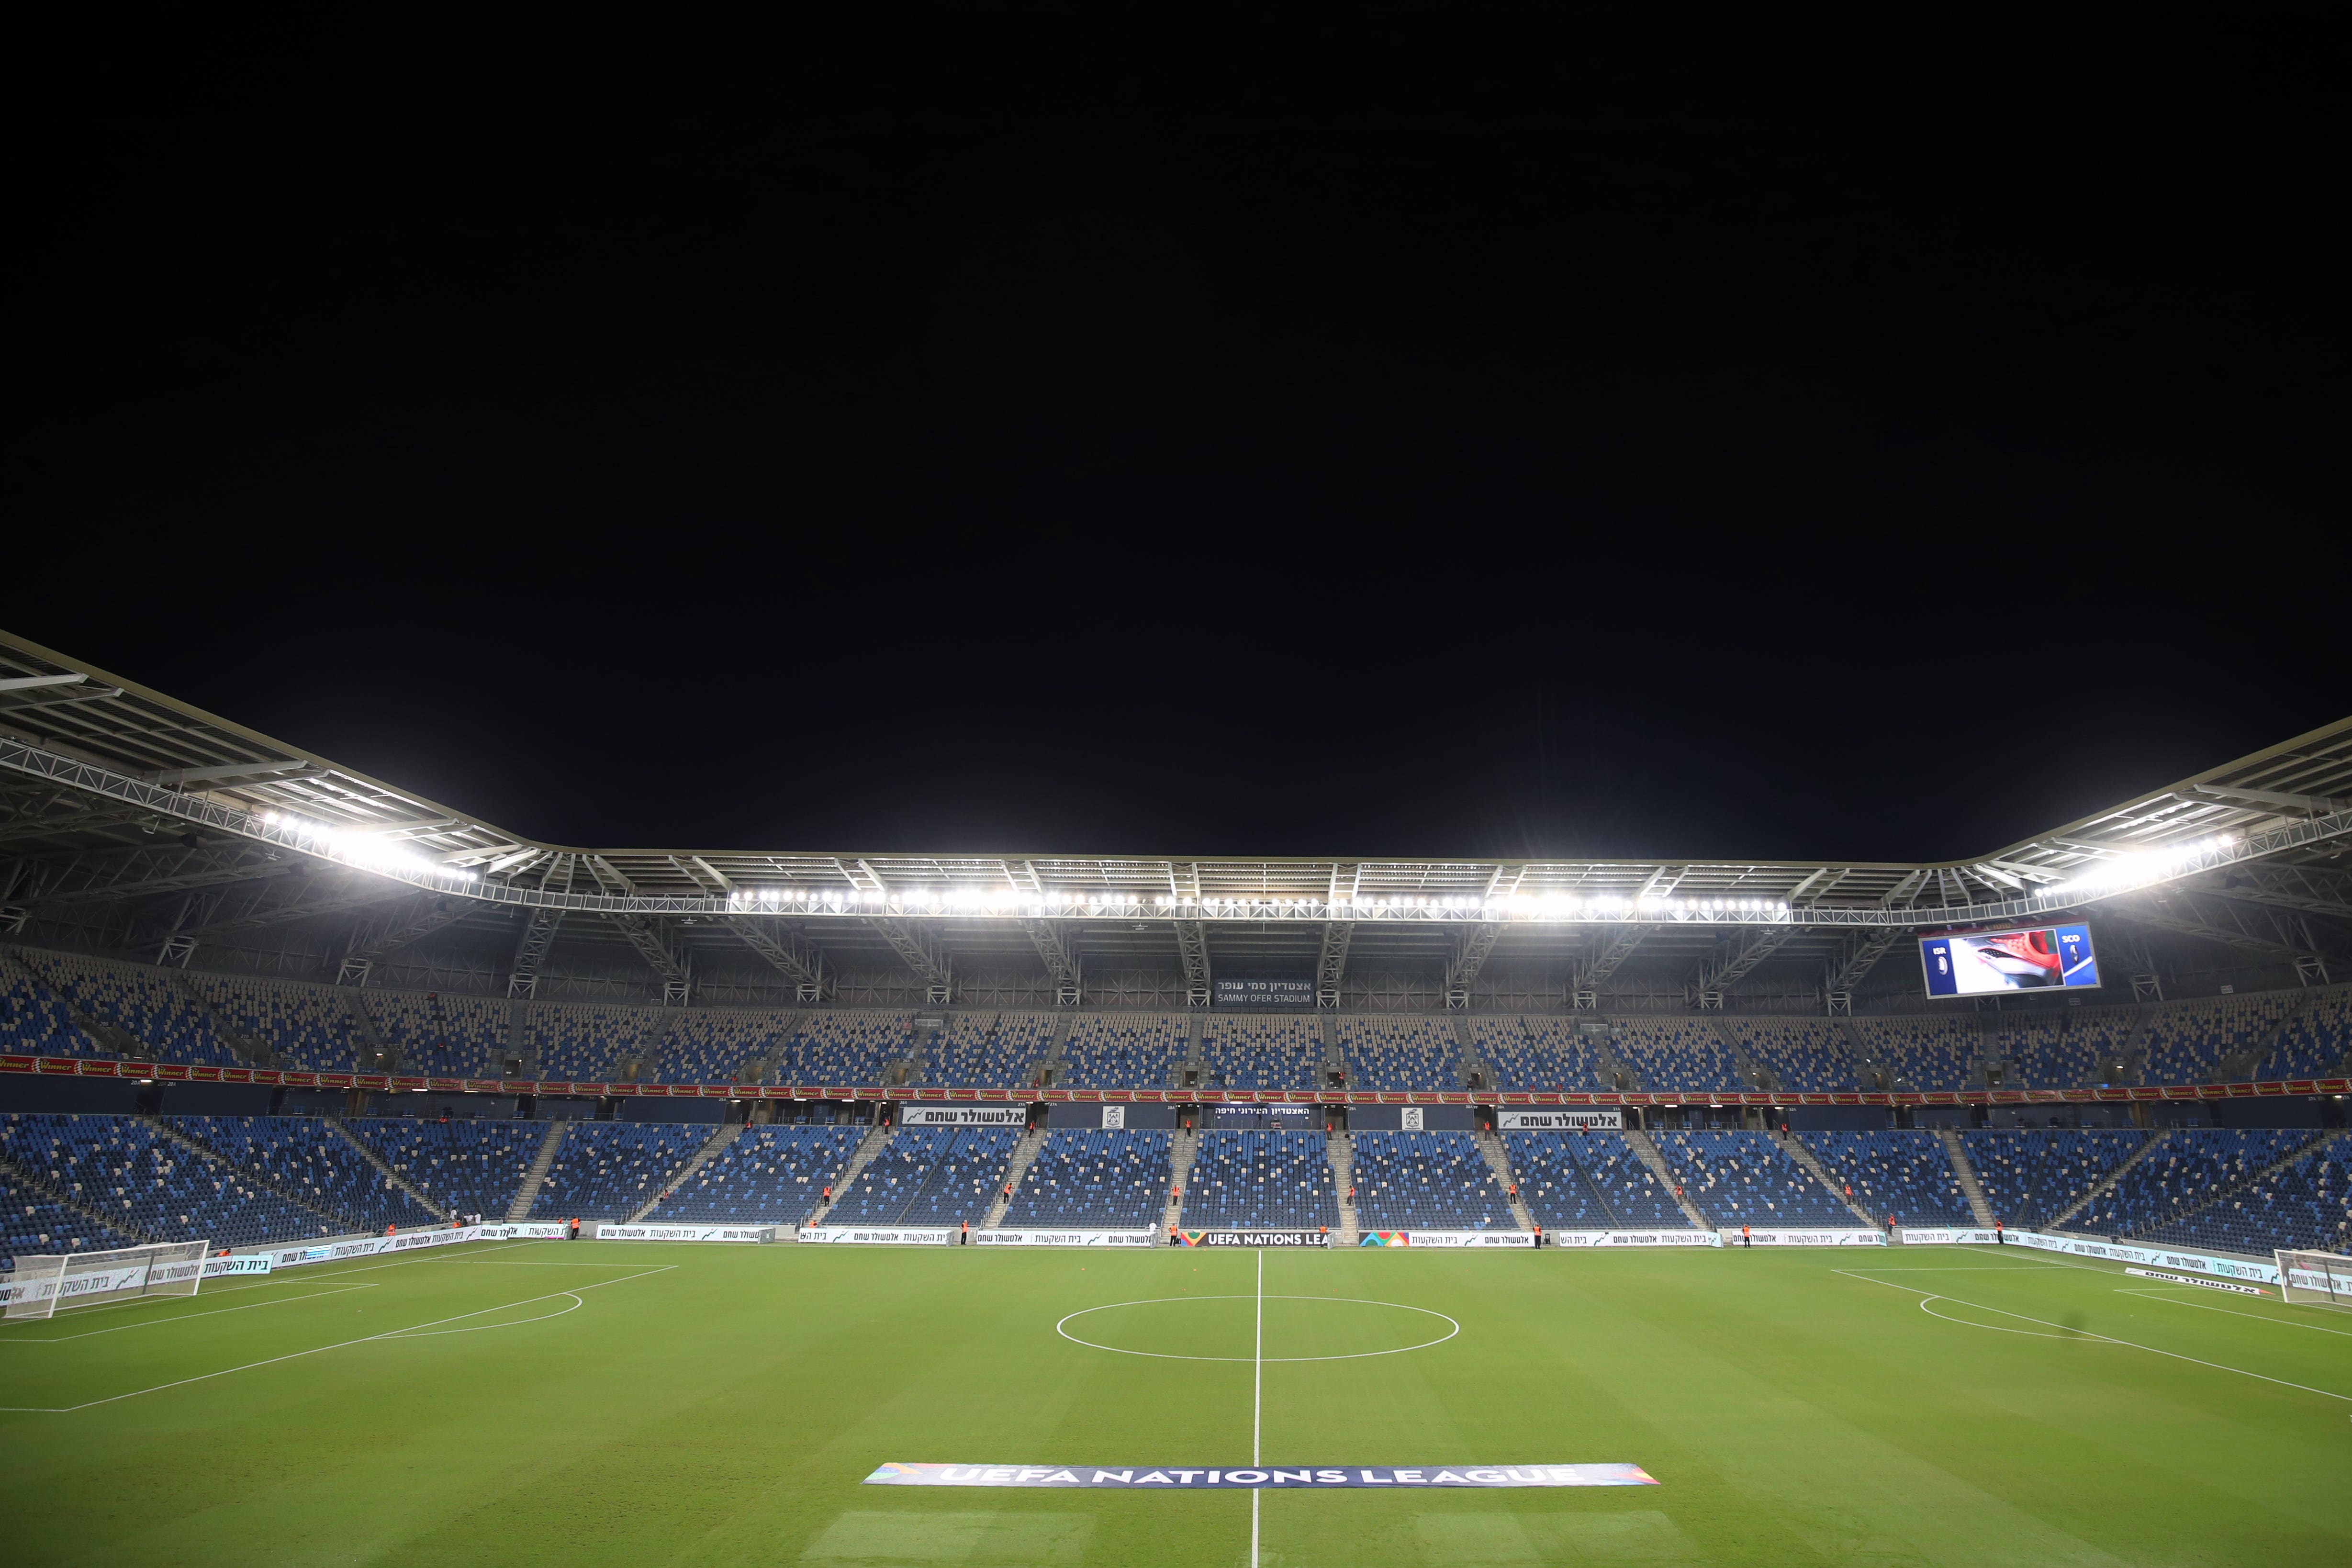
[1927, 1053]
[1433, 1181]
[306, 1157]
[707, 1045]
[1261, 1180]
[1747, 1178]
[1538, 1053]
[32, 1224]
[1262, 1053]
[138, 1000]
[2188, 1171]
[845, 1047]
[1401, 1053]
[2187, 1042]
[163, 1190]
[592, 1044]
[929, 1176]
[1124, 1051]
[988, 1050]
[1806, 1056]
[440, 1036]
[300, 1026]
[1095, 1179]
[471, 1167]
[769, 1175]
[2316, 1040]
[34, 1020]
[1674, 1053]
[2030, 1178]
[1904, 1174]
[609, 1170]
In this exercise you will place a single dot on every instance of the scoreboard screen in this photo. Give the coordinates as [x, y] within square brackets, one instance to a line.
[1986, 962]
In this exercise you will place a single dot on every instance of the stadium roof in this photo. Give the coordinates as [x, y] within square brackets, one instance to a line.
[114, 794]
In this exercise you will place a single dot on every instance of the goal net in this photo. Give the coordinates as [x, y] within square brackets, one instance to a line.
[2324, 1278]
[45, 1286]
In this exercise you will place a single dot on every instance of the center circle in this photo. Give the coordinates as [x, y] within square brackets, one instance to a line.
[1230, 1327]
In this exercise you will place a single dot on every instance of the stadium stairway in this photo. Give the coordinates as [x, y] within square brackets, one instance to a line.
[1796, 1150]
[33, 1181]
[1645, 1151]
[1182, 1149]
[1965, 1175]
[267, 1180]
[2100, 1188]
[246, 1046]
[378, 1160]
[1498, 1160]
[867, 1147]
[363, 1024]
[1340, 1151]
[1024, 1154]
[727, 1133]
[536, 1177]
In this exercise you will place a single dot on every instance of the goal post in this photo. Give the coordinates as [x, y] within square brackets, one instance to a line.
[50, 1283]
[2315, 1278]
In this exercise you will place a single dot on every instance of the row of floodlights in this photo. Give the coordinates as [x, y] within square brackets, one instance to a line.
[988, 898]
[2146, 866]
[362, 848]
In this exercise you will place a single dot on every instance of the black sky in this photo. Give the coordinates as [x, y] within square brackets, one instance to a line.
[1883, 471]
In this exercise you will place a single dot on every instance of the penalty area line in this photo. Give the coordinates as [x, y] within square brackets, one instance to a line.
[320, 1350]
[182, 1316]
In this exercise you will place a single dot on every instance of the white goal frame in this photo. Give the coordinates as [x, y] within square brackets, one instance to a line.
[2315, 1278]
[50, 1283]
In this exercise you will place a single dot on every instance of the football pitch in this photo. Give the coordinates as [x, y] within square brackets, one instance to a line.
[551, 1402]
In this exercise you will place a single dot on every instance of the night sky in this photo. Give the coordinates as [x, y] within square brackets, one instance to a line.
[1858, 472]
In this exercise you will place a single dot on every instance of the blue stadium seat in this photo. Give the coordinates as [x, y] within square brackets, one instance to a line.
[1430, 1181]
[1094, 1179]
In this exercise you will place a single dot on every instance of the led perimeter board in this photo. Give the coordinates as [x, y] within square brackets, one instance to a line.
[1986, 963]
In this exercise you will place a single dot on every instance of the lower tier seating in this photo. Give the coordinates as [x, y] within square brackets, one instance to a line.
[769, 1175]
[1092, 1179]
[1432, 1181]
[1904, 1173]
[1261, 1180]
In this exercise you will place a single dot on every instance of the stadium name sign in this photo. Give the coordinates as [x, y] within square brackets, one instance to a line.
[1507, 1120]
[1310, 1478]
[1255, 1238]
[963, 1116]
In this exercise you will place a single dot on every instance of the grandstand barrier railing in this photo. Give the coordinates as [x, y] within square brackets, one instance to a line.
[2113, 1251]
[394, 1083]
[607, 1231]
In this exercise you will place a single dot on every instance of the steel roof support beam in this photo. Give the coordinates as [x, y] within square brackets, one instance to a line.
[531, 951]
[1612, 954]
[1470, 952]
[1332, 963]
[794, 959]
[138, 869]
[645, 934]
[1858, 957]
[420, 920]
[2274, 934]
[1052, 940]
[1192, 951]
[1735, 959]
[919, 949]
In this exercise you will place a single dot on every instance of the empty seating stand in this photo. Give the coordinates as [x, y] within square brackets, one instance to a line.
[1261, 1180]
[1434, 1181]
[1747, 1178]
[769, 1175]
[151, 1187]
[1904, 1173]
[929, 1176]
[470, 1167]
[2031, 1177]
[609, 1170]
[1094, 1179]
[306, 1157]
[1116, 1051]
[1248, 1052]
[1401, 1053]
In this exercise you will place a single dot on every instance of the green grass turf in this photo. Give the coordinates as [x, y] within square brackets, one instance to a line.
[723, 1410]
